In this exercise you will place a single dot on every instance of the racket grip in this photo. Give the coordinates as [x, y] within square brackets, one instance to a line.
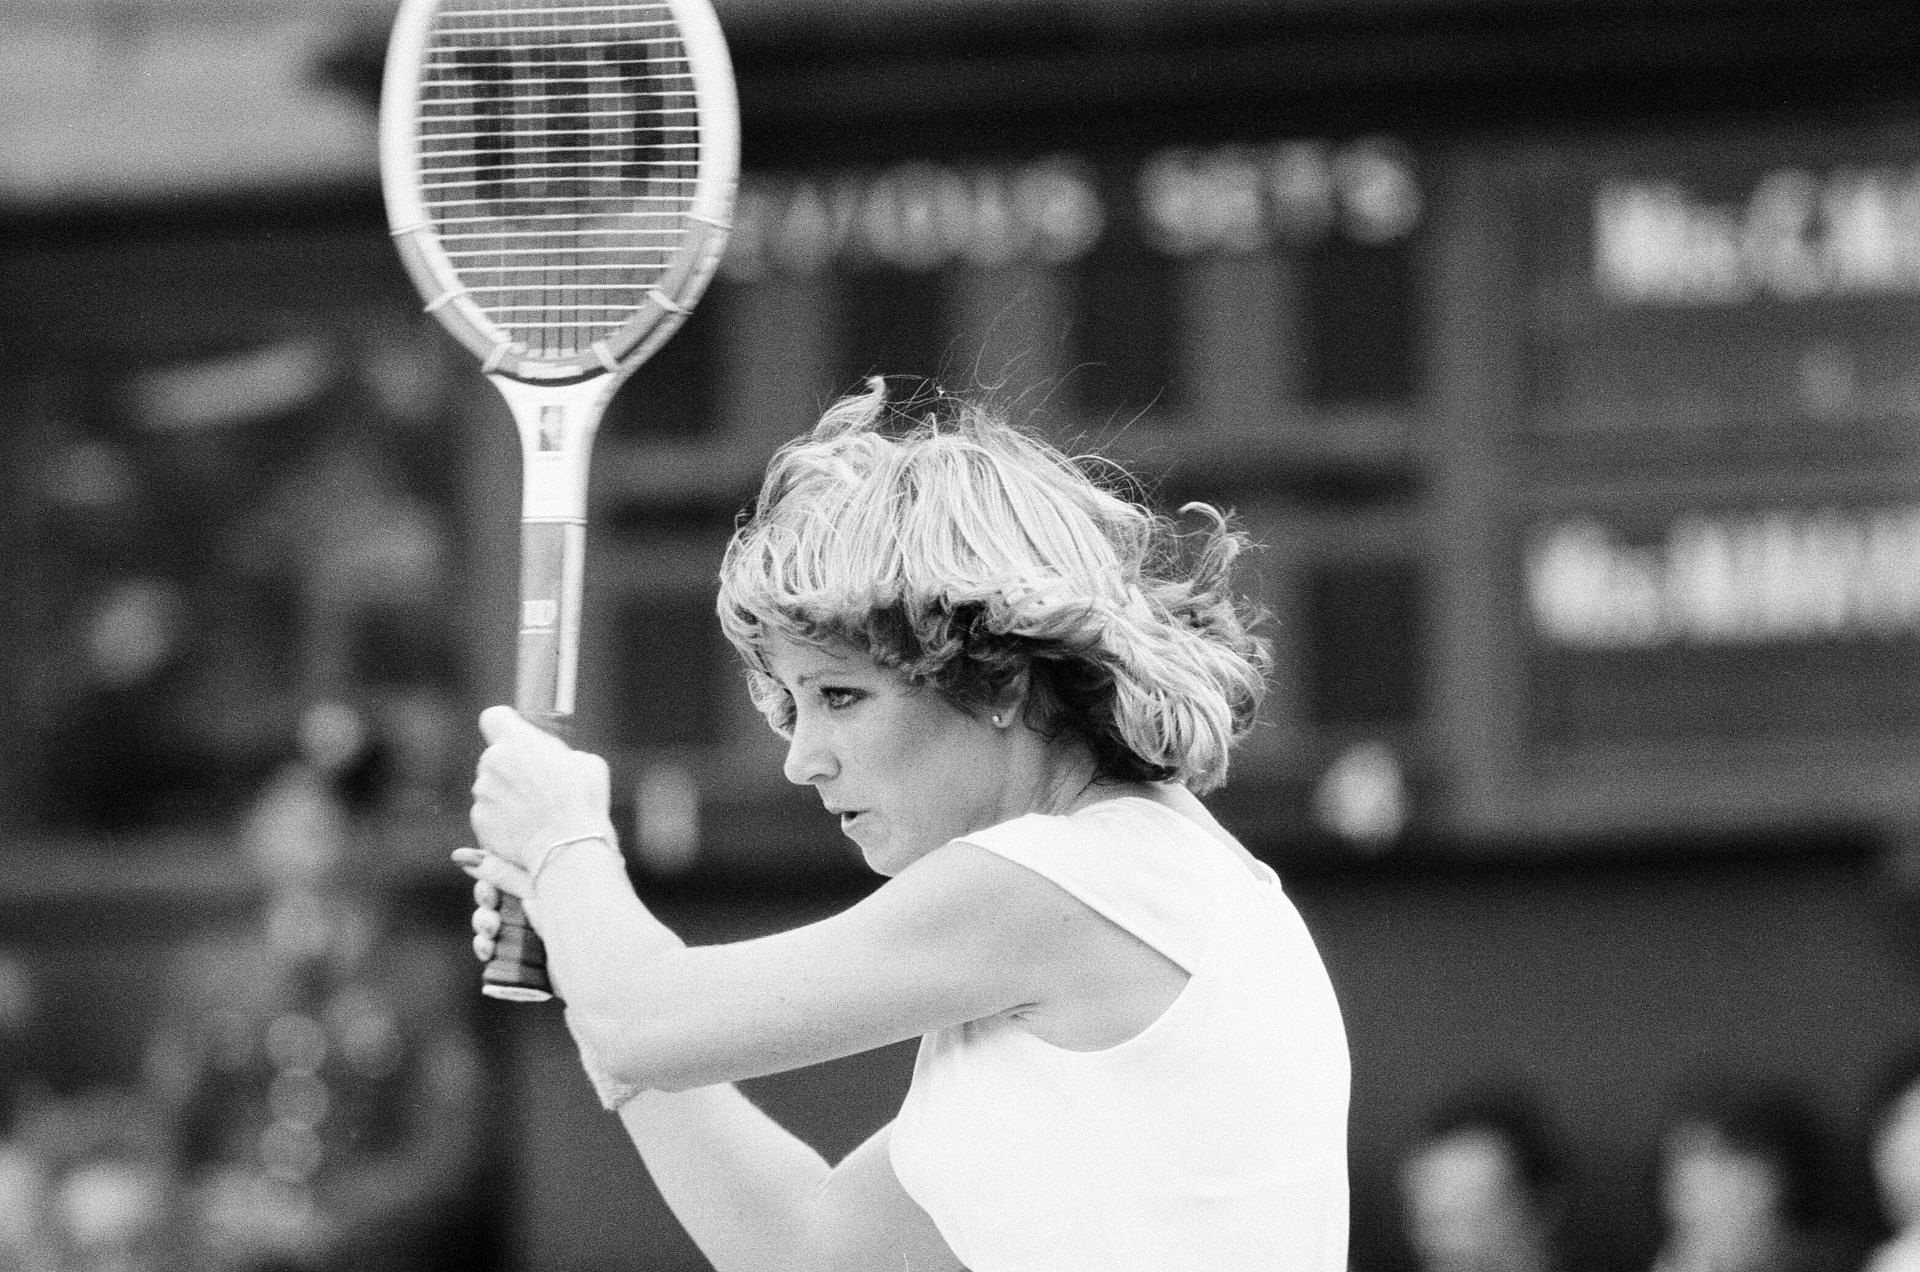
[518, 970]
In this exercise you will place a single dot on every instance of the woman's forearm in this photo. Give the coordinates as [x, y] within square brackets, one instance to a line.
[599, 936]
[743, 1186]
[604, 948]
[620, 971]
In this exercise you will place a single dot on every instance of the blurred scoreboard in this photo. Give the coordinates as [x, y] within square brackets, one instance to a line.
[1586, 469]
[1705, 567]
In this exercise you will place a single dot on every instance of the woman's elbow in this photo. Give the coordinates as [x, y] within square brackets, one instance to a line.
[623, 1060]
[614, 1056]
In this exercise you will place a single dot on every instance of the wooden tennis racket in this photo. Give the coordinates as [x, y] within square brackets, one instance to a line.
[559, 178]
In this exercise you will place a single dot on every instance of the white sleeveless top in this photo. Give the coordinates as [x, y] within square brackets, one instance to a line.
[1215, 1140]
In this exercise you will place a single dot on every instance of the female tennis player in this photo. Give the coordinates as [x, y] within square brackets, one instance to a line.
[1009, 682]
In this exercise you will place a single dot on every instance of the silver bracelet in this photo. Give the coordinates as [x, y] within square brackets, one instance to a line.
[553, 850]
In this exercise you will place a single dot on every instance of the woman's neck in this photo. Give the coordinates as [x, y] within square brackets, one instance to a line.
[1074, 783]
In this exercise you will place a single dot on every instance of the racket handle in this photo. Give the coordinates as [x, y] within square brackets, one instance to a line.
[518, 970]
[552, 564]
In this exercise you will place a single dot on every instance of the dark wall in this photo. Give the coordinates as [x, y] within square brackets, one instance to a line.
[1604, 987]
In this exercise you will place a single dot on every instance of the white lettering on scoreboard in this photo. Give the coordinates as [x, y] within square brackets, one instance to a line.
[924, 215]
[1728, 579]
[1799, 235]
[1241, 198]
[918, 216]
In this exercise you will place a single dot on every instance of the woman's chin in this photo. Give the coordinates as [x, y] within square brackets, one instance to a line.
[881, 853]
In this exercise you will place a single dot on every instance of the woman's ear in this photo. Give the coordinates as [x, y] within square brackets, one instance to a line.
[1007, 705]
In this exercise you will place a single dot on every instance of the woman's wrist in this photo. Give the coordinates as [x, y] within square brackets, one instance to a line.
[590, 844]
[600, 938]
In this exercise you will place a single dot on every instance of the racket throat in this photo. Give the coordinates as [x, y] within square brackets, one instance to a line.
[556, 426]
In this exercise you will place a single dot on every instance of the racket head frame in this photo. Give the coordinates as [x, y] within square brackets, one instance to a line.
[705, 221]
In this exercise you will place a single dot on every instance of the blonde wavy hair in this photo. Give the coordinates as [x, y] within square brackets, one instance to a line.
[964, 552]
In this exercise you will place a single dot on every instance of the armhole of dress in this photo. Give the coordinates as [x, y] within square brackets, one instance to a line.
[1191, 964]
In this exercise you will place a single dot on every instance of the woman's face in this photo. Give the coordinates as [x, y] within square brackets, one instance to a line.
[904, 769]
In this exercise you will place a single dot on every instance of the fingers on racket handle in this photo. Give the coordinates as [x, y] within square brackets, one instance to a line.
[518, 970]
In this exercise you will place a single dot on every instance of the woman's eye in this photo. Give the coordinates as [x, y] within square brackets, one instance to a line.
[836, 699]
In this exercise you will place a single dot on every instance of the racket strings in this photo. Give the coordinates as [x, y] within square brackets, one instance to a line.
[559, 154]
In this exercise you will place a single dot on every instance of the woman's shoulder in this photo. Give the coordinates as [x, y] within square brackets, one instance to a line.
[1142, 865]
[1099, 831]
[1174, 820]
[1134, 831]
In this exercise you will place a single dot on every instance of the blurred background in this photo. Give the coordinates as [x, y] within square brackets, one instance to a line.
[1564, 354]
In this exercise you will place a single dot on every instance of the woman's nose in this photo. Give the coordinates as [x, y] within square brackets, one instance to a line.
[809, 759]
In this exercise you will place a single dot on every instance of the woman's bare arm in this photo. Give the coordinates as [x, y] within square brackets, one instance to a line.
[959, 935]
[756, 1199]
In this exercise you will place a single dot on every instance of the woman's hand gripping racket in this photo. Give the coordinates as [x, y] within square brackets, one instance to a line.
[559, 177]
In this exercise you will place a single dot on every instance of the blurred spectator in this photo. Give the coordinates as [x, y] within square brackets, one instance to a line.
[1483, 1188]
[85, 1179]
[324, 1093]
[1893, 1143]
[109, 1190]
[1741, 1173]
